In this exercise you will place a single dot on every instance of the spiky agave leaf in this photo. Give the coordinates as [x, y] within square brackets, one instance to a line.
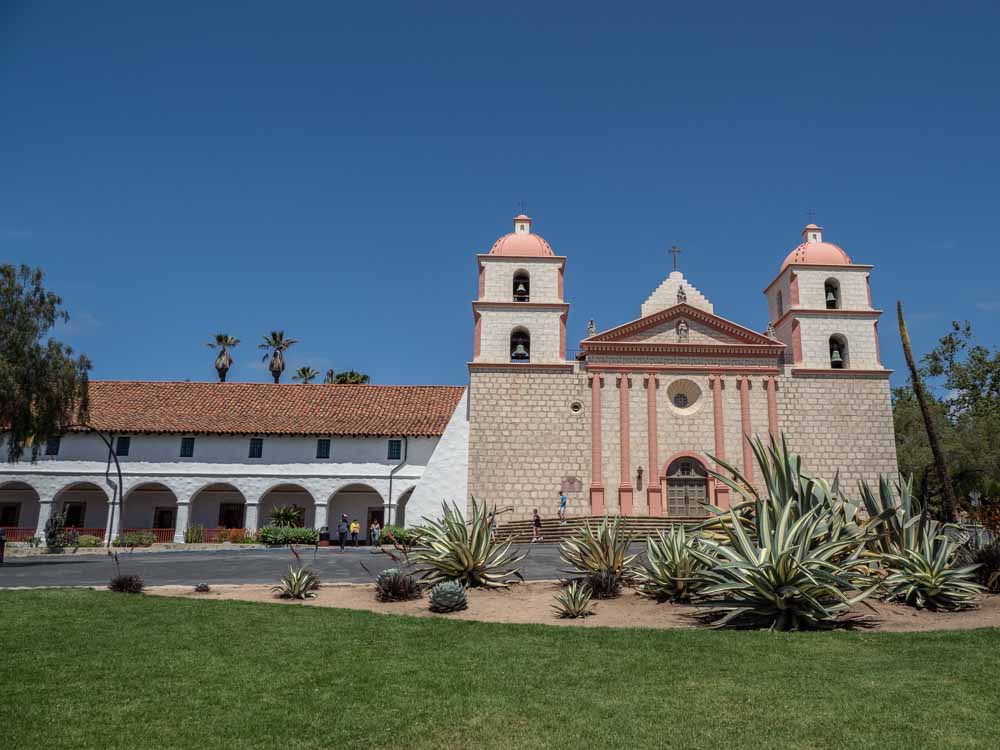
[605, 551]
[671, 569]
[298, 583]
[456, 551]
[786, 578]
[924, 575]
[573, 601]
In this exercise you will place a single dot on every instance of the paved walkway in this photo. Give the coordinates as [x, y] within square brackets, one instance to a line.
[182, 567]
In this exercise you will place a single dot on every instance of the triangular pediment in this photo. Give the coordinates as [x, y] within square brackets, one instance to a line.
[682, 325]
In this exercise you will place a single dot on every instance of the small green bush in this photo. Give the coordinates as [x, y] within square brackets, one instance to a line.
[135, 539]
[406, 537]
[277, 536]
[86, 540]
[195, 534]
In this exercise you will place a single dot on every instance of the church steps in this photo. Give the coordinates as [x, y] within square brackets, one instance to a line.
[639, 527]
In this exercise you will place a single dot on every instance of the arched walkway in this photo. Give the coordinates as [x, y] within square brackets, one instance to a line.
[19, 506]
[85, 506]
[287, 494]
[359, 502]
[152, 507]
[686, 485]
[217, 506]
[399, 515]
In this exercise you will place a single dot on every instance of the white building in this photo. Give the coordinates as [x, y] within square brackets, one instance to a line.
[223, 455]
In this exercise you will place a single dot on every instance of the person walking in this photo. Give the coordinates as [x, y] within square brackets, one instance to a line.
[374, 531]
[562, 507]
[355, 530]
[536, 527]
[343, 528]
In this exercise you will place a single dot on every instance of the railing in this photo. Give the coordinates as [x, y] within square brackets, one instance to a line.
[162, 536]
[18, 533]
[87, 531]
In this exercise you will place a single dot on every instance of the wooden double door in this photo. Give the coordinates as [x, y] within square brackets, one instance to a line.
[686, 488]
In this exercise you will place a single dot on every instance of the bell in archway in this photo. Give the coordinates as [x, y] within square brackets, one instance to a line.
[521, 289]
[836, 360]
[831, 297]
[519, 352]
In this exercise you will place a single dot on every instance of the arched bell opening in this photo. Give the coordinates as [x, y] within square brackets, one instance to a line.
[839, 355]
[522, 286]
[520, 345]
[831, 293]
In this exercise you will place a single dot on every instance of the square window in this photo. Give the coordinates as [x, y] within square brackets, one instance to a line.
[395, 450]
[52, 446]
[123, 445]
[256, 447]
[323, 448]
[187, 447]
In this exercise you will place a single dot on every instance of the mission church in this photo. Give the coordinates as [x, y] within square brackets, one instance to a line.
[628, 426]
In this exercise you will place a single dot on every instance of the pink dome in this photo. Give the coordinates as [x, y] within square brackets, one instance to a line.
[816, 252]
[522, 242]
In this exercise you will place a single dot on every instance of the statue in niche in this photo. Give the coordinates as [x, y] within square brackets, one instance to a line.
[681, 295]
[591, 328]
[682, 331]
[771, 333]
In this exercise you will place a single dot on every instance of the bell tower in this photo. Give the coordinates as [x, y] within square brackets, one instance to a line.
[520, 313]
[820, 307]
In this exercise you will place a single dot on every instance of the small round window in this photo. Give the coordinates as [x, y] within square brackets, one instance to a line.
[680, 400]
[576, 407]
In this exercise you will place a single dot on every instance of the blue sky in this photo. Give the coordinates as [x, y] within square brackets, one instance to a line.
[332, 170]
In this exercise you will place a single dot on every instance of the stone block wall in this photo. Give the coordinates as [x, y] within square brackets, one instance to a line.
[543, 274]
[815, 333]
[543, 325]
[524, 439]
[853, 287]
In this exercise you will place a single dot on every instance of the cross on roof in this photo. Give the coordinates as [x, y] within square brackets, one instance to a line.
[522, 207]
[811, 213]
[675, 251]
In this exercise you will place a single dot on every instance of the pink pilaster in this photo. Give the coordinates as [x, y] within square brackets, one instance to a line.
[624, 430]
[796, 343]
[478, 335]
[743, 381]
[721, 491]
[596, 483]
[653, 487]
[772, 406]
[562, 336]
[793, 286]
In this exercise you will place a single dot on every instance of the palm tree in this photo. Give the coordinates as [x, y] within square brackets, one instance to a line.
[949, 503]
[331, 377]
[305, 375]
[352, 377]
[223, 342]
[274, 347]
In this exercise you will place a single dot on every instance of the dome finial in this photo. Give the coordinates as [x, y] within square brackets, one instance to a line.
[522, 224]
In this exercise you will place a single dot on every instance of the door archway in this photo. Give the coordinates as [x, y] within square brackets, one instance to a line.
[687, 486]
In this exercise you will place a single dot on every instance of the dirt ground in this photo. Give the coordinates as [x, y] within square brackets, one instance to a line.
[532, 603]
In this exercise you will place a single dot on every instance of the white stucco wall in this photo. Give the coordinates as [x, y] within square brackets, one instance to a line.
[446, 476]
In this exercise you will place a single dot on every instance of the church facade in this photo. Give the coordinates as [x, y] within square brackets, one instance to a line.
[631, 423]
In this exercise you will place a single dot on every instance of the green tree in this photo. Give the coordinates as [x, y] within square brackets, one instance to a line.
[351, 377]
[224, 360]
[305, 375]
[43, 387]
[275, 345]
[331, 377]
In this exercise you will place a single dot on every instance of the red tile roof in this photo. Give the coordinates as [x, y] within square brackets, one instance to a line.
[268, 409]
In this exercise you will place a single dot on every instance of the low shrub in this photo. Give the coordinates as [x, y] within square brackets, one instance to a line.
[86, 540]
[393, 585]
[135, 539]
[127, 584]
[202, 588]
[573, 601]
[194, 534]
[987, 557]
[298, 583]
[406, 537]
[276, 536]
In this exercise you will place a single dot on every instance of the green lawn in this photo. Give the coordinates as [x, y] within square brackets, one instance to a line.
[85, 669]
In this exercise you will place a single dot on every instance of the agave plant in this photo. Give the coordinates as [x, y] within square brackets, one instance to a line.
[298, 583]
[786, 577]
[901, 513]
[601, 557]
[456, 551]
[672, 567]
[448, 596]
[573, 601]
[986, 558]
[287, 516]
[924, 575]
[393, 585]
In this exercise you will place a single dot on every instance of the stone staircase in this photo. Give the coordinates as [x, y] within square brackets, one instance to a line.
[553, 531]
